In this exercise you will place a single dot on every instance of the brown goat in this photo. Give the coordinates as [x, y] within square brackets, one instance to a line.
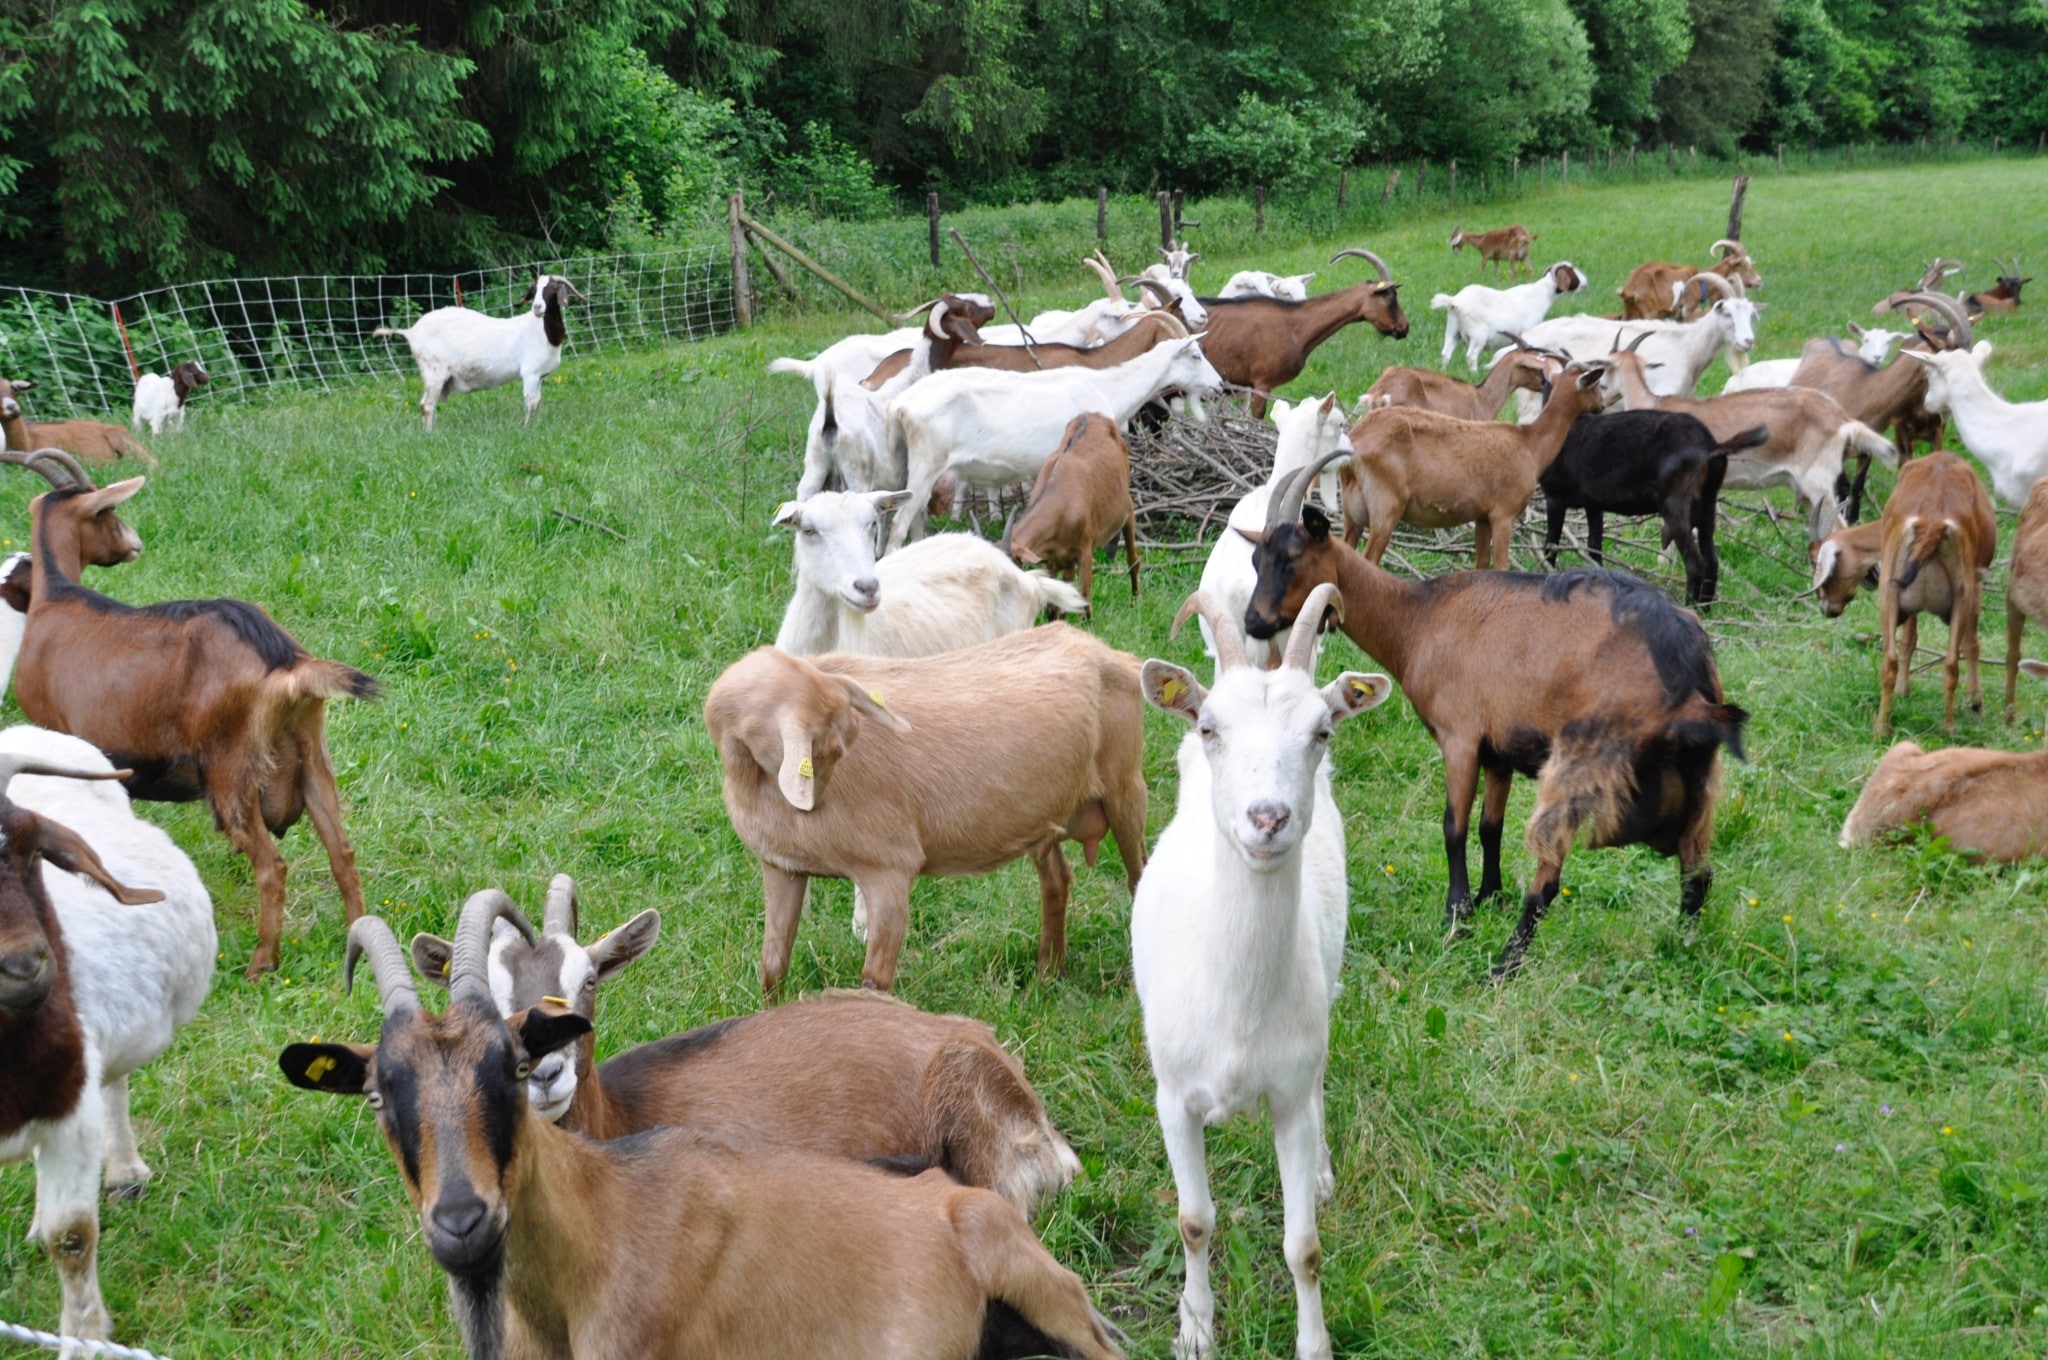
[1503, 245]
[1081, 499]
[858, 1075]
[1609, 698]
[201, 698]
[957, 782]
[2003, 296]
[1931, 550]
[1652, 290]
[1519, 370]
[93, 440]
[1263, 343]
[1434, 471]
[669, 1245]
[954, 345]
[2026, 594]
[1982, 802]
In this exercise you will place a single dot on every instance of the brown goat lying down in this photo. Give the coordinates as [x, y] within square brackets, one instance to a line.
[93, 440]
[1991, 803]
[858, 1075]
[883, 771]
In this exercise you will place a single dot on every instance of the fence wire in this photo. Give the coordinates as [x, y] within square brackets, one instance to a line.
[29, 1336]
[314, 331]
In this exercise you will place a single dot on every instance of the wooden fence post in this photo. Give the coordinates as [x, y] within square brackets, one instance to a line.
[1102, 215]
[1343, 184]
[1258, 208]
[742, 291]
[1454, 179]
[1421, 177]
[1735, 208]
[1542, 170]
[1517, 172]
[1670, 157]
[1564, 168]
[931, 213]
[1781, 155]
[1694, 152]
[1178, 198]
[1165, 220]
[1393, 182]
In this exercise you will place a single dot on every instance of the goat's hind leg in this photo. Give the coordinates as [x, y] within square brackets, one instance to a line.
[126, 1175]
[1013, 1267]
[1492, 818]
[323, 806]
[1055, 888]
[237, 801]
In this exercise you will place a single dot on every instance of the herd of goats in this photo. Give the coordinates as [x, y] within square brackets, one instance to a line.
[883, 1162]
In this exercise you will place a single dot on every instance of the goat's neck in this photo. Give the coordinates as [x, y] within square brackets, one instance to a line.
[1495, 386]
[810, 625]
[1635, 388]
[1970, 400]
[1543, 437]
[1323, 315]
[570, 1208]
[58, 560]
[1382, 612]
[593, 1113]
[16, 430]
[1249, 952]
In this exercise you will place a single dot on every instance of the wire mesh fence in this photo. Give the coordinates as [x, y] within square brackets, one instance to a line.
[316, 331]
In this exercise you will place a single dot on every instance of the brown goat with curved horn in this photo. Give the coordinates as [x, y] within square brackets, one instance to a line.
[1263, 343]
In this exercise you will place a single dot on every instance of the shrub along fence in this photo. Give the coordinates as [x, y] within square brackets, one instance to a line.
[315, 331]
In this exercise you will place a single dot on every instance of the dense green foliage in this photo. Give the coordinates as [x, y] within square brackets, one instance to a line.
[1815, 1128]
[146, 140]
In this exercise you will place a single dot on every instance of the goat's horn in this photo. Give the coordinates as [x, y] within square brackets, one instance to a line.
[12, 765]
[1727, 246]
[917, 311]
[1518, 341]
[396, 991]
[1168, 321]
[1227, 632]
[1102, 271]
[574, 291]
[467, 965]
[1301, 644]
[1293, 490]
[1154, 287]
[1720, 283]
[1961, 335]
[1386, 274]
[40, 461]
[559, 916]
[1636, 343]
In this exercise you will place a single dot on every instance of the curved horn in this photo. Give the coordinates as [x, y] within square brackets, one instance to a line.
[40, 460]
[1292, 490]
[396, 991]
[467, 971]
[1386, 275]
[559, 916]
[1726, 246]
[1960, 335]
[1166, 296]
[917, 311]
[574, 291]
[13, 764]
[1720, 283]
[1301, 643]
[1227, 632]
[1634, 344]
[1101, 270]
[1167, 321]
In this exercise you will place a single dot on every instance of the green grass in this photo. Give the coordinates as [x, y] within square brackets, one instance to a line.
[1620, 1153]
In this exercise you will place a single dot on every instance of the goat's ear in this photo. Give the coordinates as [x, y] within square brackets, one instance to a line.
[615, 949]
[795, 776]
[1981, 350]
[1252, 536]
[1316, 522]
[107, 497]
[543, 1029]
[66, 849]
[337, 1069]
[871, 703]
[1824, 555]
[1279, 409]
[1353, 692]
[1024, 557]
[431, 958]
[787, 514]
[887, 501]
[22, 384]
[1173, 689]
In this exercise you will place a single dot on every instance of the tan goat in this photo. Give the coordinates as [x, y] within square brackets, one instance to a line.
[1507, 245]
[1519, 370]
[1654, 290]
[1983, 802]
[1435, 471]
[1081, 499]
[2026, 594]
[93, 440]
[883, 771]
[1930, 551]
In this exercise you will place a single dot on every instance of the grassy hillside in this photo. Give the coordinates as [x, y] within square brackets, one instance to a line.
[1817, 1128]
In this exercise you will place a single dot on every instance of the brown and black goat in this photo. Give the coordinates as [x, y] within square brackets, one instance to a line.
[1929, 554]
[201, 698]
[1612, 701]
[670, 1244]
[2003, 296]
[93, 440]
[852, 1074]
[1079, 503]
[1503, 245]
[1263, 343]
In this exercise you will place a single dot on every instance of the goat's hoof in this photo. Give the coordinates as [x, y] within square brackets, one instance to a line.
[263, 961]
[127, 1192]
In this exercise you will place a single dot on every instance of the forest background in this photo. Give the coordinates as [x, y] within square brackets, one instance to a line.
[143, 141]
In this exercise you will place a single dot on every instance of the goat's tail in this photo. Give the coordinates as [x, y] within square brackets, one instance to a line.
[1918, 548]
[800, 367]
[390, 330]
[826, 383]
[1748, 439]
[1701, 724]
[1864, 440]
[1056, 593]
[313, 678]
[1441, 302]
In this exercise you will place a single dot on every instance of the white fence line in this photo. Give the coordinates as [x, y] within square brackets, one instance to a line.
[29, 1336]
[314, 331]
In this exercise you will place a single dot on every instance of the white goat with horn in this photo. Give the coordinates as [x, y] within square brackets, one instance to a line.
[1237, 935]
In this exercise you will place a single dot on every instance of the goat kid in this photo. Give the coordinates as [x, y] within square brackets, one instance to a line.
[1080, 502]
[460, 350]
[1507, 245]
[160, 400]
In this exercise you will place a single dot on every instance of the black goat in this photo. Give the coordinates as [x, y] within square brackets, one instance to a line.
[1644, 463]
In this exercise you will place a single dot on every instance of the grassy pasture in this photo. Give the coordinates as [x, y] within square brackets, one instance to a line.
[1817, 1128]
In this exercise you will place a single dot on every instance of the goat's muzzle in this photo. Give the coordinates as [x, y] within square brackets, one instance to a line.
[26, 978]
[465, 1237]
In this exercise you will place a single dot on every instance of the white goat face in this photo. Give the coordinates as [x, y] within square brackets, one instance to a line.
[540, 294]
[1737, 319]
[1191, 372]
[1264, 734]
[836, 537]
[551, 1082]
[1939, 366]
[1875, 345]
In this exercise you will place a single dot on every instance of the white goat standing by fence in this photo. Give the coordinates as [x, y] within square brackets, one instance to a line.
[460, 350]
[1480, 316]
[1237, 935]
[160, 400]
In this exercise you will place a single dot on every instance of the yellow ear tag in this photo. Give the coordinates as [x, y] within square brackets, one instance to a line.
[784, 509]
[446, 964]
[1361, 687]
[1169, 690]
[319, 1067]
[876, 695]
[803, 767]
[561, 1001]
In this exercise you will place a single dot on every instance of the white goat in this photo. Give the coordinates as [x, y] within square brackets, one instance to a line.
[459, 350]
[2010, 438]
[1674, 352]
[994, 428]
[1237, 936]
[160, 400]
[937, 595]
[1307, 431]
[848, 434]
[851, 359]
[1871, 346]
[1480, 316]
[1261, 283]
[130, 969]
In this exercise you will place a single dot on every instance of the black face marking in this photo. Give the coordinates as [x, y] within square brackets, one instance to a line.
[477, 1300]
[400, 1090]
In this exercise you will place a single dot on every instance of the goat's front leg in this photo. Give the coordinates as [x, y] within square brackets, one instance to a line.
[1461, 782]
[67, 1211]
[1182, 1130]
[888, 897]
[1493, 815]
[126, 1173]
[533, 382]
[1055, 887]
[1298, 1145]
[784, 893]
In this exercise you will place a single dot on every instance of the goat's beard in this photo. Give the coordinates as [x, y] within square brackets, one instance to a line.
[478, 1302]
